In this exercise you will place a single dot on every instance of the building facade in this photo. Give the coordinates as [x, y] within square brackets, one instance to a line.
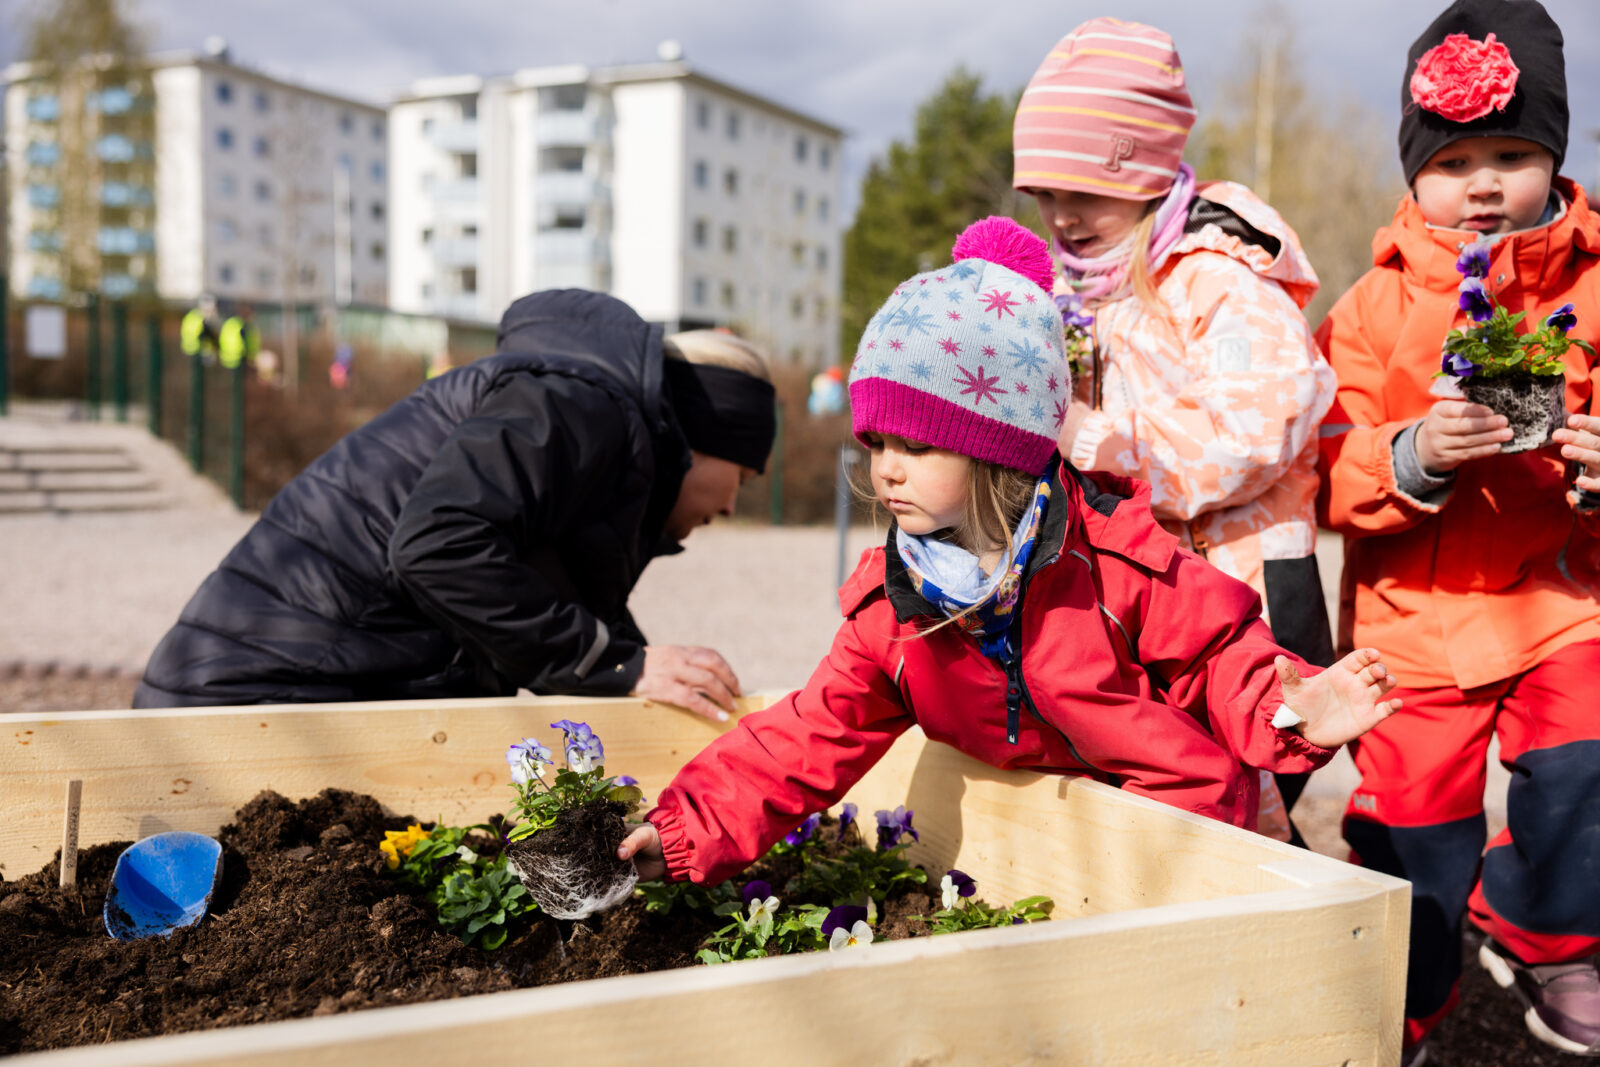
[252, 188]
[695, 202]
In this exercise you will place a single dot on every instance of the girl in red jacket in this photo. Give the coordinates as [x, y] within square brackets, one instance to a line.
[1477, 572]
[1032, 615]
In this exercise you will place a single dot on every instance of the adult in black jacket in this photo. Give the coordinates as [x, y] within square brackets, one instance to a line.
[483, 535]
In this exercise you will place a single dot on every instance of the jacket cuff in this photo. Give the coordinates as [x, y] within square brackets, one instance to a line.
[1411, 478]
[1584, 501]
[1091, 435]
[1294, 748]
[676, 847]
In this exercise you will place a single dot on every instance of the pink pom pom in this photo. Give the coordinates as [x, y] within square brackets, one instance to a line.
[1010, 244]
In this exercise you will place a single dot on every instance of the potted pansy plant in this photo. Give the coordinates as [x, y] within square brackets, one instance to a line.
[1518, 375]
[565, 848]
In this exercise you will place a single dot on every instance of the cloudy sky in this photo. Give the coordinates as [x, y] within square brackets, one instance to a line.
[859, 64]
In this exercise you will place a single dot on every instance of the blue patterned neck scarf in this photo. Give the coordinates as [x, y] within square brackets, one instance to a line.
[949, 577]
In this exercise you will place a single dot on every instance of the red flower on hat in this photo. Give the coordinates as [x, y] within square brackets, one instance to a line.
[1461, 79]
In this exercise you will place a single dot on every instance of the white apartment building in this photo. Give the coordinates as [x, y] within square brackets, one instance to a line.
[263, 190]
[695, 202]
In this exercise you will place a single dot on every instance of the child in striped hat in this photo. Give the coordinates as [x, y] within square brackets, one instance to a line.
[1183, 302]
[1031, 615]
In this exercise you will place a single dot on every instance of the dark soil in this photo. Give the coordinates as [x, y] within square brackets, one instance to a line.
[306, 921]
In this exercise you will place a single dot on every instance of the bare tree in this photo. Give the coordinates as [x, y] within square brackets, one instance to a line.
[299, 173]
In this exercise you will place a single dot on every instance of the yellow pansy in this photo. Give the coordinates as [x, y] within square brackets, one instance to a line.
[398, 843]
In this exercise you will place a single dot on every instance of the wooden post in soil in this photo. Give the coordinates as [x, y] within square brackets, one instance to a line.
[69, 834]
[1175, 939]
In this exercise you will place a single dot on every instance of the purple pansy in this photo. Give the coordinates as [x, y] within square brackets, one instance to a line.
[1073, 316]
[756, 889]
[1475, 300]
[625, 779]
[843, 918]
[847, 815]
[584, 750]
[1563, 318]
[1474, 261]
[1459, 365]
[893, 825]
[525, 758]
[802, 833]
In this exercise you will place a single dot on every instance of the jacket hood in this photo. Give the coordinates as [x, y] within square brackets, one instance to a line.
[1427, 254]
[589, 335]
[1255, 235]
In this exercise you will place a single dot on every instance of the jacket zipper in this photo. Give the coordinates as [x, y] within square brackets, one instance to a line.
[1017, 690]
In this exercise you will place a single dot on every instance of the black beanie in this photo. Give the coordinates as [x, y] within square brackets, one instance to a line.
[1536, 111]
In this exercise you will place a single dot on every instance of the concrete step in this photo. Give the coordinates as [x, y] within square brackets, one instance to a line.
[122, 500]
[110, 481]
[60, 459]
[18, 503]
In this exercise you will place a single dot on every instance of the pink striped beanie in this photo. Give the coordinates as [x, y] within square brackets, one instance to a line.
[1106, 112]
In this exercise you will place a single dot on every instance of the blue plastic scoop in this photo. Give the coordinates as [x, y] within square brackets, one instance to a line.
[162, 884]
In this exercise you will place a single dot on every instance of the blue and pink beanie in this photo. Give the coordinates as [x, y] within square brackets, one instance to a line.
[970, 358]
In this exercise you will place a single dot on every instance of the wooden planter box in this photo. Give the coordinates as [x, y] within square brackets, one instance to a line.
[1176, 940]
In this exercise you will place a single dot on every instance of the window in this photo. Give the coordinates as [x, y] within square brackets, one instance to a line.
[44, 196]
[730, 181]
[469, 279]
[824, 155]
[345, 163]
[702, 174]
[377, 250]
[264, 277]
[263, 190]
[227, 230]
[729, 295]
[44, 109]
[467, 162]
[733, 125]
[308, 276]
[225, 273]
[568, 218]
[797, 254]
[702, 120]
[427, 236]
[264, 235]
[822, 259]
[115, 148]
[377, 211]
[227, 185]
[43, 154]
[427, 290]
[263, 148]
[730, 239]
[701, 229]
[376, 170]
[347, 124]
[800, 147]
[822, 208]
[224, 138]
[469, 110]
[263, 101]
[699, 292]
[224, 92]
[427, 125]
[797, 306]
[799, 201]
[822, 309]
[377, 129]
[469, 229]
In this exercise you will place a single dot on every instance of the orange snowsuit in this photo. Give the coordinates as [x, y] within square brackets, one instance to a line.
[1504, 572]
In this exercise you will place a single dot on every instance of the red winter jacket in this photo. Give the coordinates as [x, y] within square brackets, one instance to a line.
[1141, 665]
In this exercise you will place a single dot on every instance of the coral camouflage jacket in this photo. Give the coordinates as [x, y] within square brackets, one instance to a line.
[1418, 574]
[1140, 665]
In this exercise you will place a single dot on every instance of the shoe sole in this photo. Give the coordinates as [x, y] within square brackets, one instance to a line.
[1501, 972]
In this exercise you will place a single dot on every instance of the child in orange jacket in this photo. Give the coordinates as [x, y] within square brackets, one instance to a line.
[1476, 572]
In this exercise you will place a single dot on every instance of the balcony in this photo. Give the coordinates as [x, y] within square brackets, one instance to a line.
[570, 246]
[458, 306]
[459, 136]
[567, 128]
[455, 251]
[568, 187]
[456, 191]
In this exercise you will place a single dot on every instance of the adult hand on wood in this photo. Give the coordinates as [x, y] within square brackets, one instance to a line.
[1456, 431]
[1580, 442]
[643, 846]
[1341, 703]
[690, 677]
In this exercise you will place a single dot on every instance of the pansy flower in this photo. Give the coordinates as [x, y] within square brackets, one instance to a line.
[893, 825]
[955, 885]
[1562, 318]
[763, 910]
[1457, 364]
[583, 749]
[756, 889]
[802, 833]
[859, 933]
[847, 925]
[397, 844]
[1475, 300]
[1474, 261]
[527, 758]
[847, 816]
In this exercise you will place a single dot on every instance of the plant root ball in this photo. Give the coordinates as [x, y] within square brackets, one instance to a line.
[571, 869]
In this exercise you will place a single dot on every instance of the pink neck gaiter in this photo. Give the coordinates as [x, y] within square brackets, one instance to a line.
[1105, 275]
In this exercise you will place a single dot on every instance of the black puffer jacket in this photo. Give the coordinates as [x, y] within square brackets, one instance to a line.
[481, 535]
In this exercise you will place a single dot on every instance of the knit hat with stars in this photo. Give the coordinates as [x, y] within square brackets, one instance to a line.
[969, 358]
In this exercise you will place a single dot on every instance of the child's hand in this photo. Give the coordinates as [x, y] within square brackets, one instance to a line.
[1456, 431]
[1341, 703]
[643, 846]
[1580, 442]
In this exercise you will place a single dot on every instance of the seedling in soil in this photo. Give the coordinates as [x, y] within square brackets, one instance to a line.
[962, 912]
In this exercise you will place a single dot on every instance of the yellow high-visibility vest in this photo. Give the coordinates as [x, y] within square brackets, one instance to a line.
[237, 342]
[192, 333]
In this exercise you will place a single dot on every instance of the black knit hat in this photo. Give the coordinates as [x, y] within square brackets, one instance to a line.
[1536, 111]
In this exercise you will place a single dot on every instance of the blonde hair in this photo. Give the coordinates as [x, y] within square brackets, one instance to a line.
[1144, 286]
[718, 348]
